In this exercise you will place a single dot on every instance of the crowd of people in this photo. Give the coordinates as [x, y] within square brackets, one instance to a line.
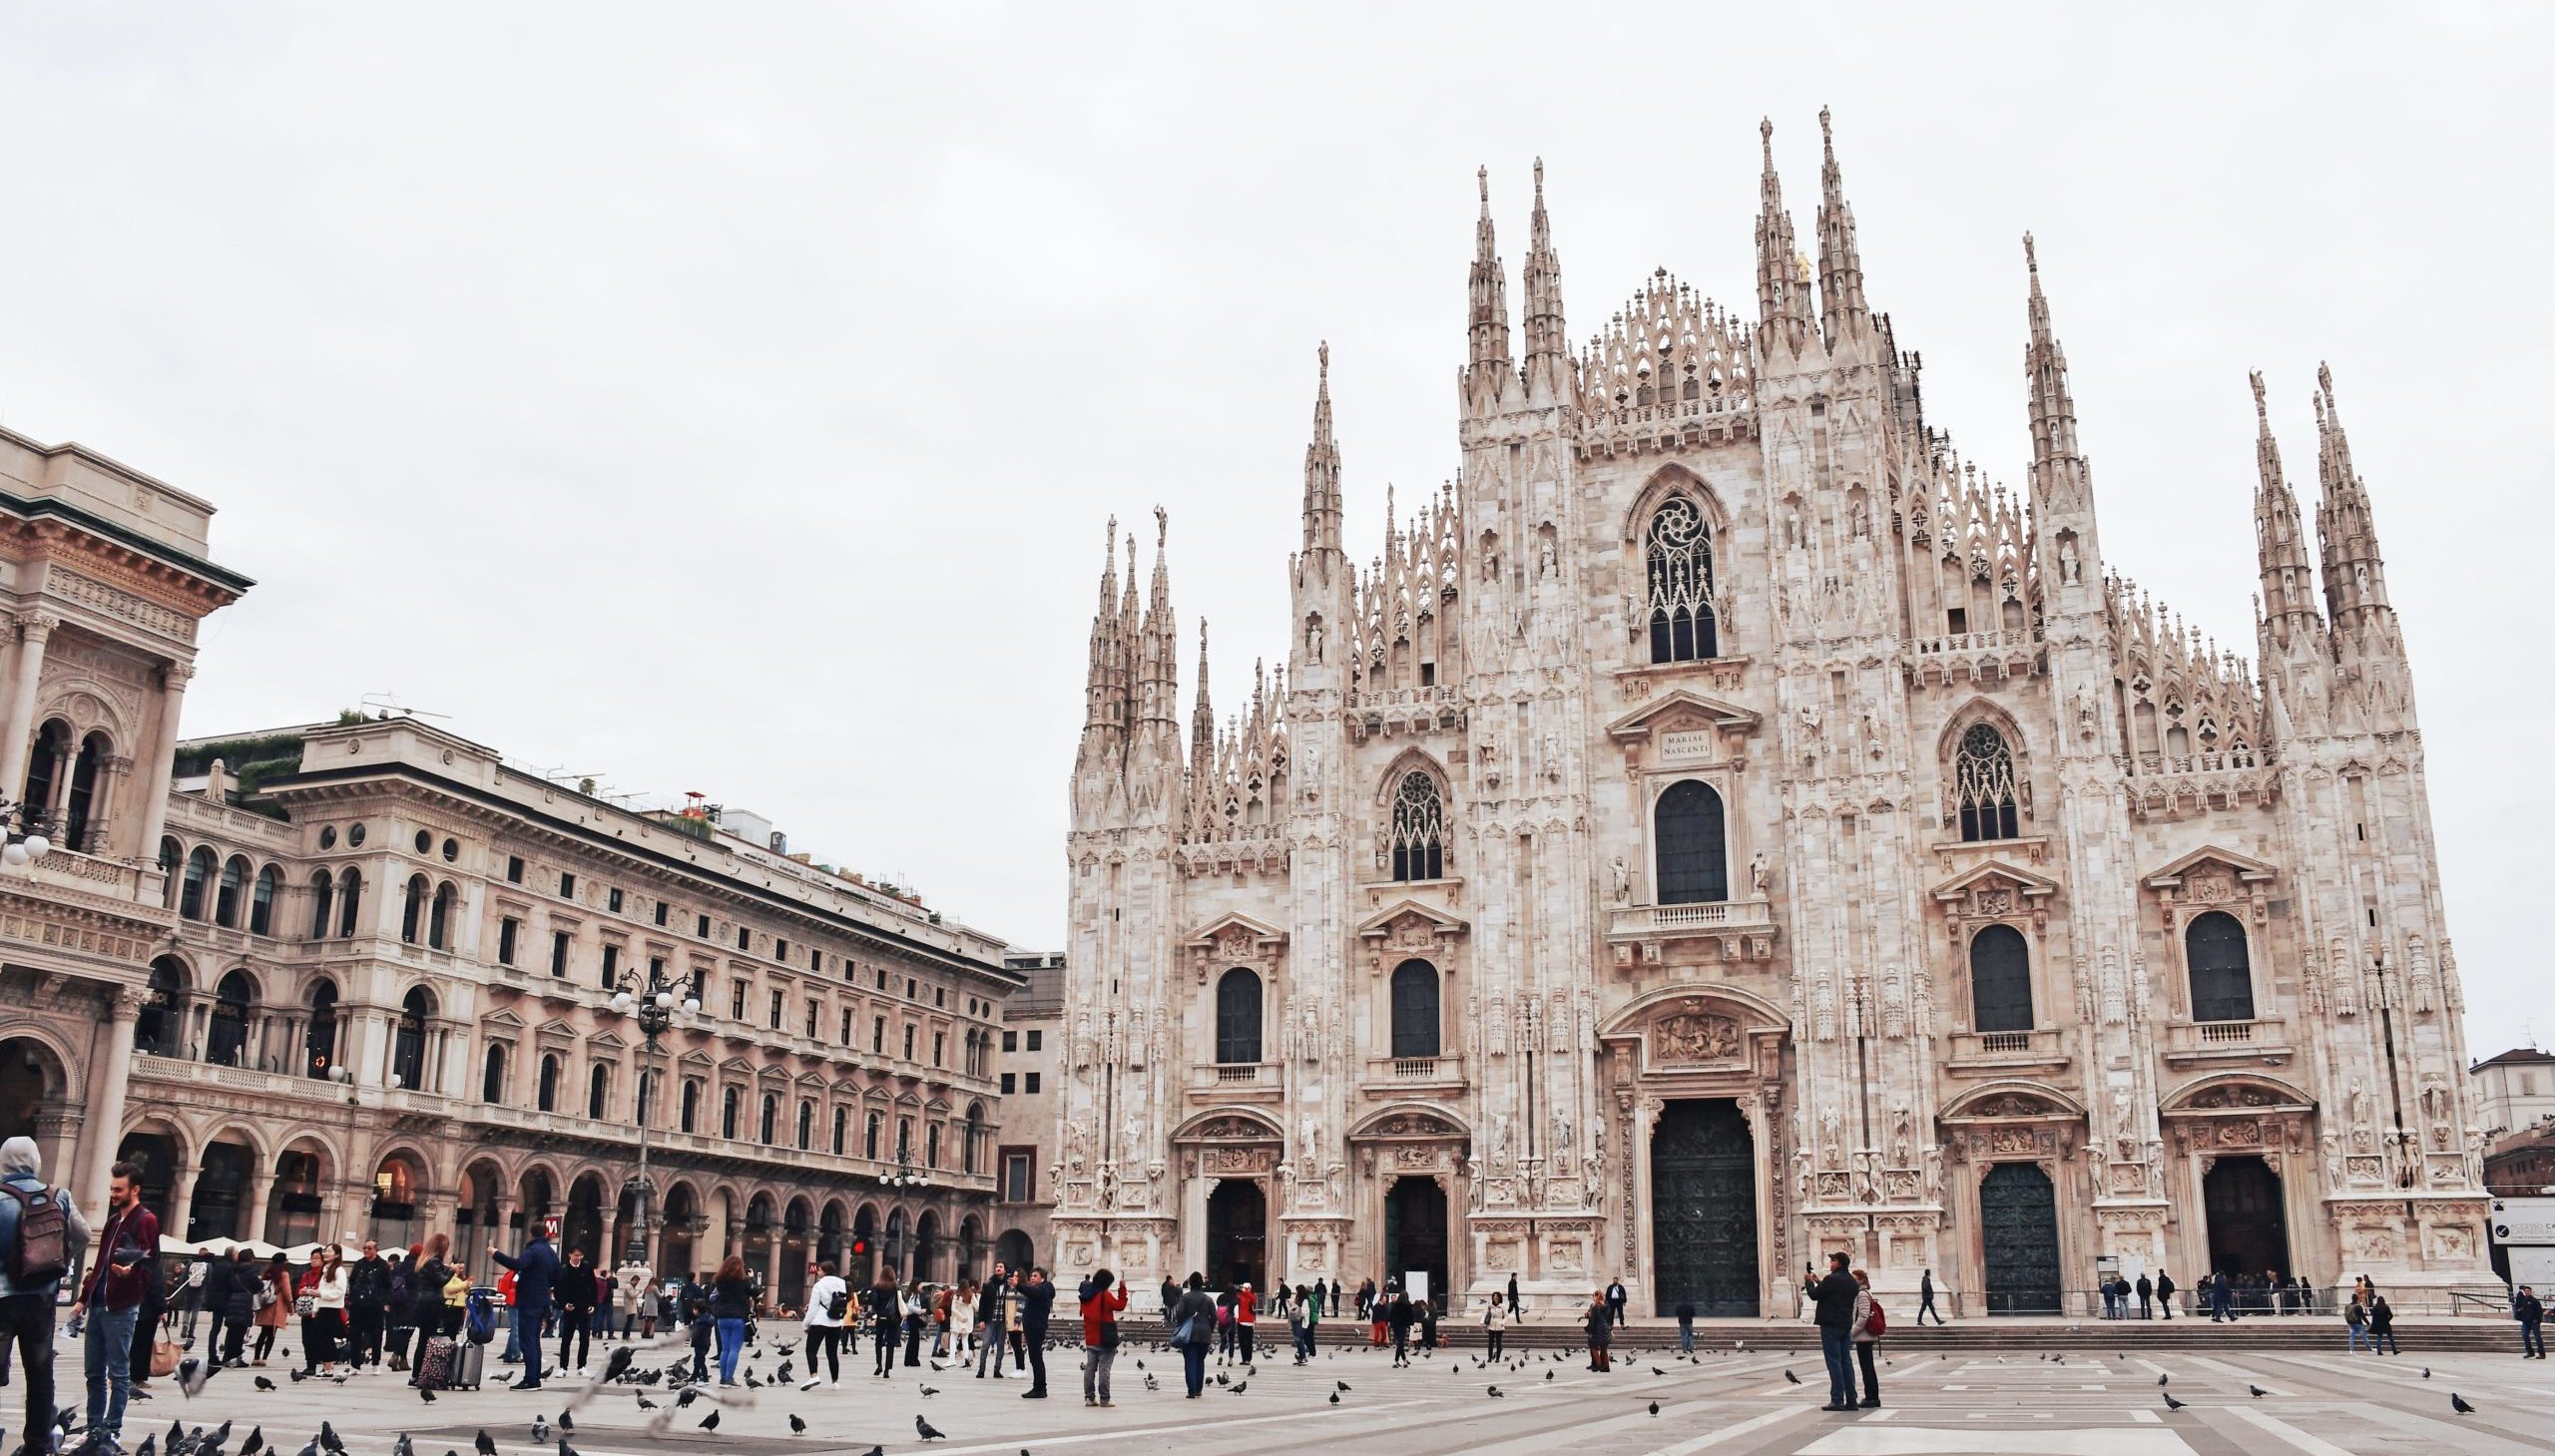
[361, 1308]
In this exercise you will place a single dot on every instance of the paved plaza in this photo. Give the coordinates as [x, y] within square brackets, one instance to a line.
[2093, 1403]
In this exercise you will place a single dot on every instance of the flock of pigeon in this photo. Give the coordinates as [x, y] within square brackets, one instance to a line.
[621, 1370]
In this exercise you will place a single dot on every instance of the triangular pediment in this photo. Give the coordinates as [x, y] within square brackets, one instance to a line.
[1681, 708]
[558, 1029]
[1224, 928]
[1995, 873]
[1429, 920]
[2246, 868]
[502, 1021]
[692, 1061]
[604, 1040]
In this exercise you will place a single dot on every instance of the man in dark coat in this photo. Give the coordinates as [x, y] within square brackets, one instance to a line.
[1616, 1300]
[2164, 1291]
[1835, 1298]
[534, 1270]
[1037, 1297]
[2146, 1297]
[368, 1306]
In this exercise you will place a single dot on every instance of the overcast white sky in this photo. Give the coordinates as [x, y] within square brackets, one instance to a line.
[732, 399]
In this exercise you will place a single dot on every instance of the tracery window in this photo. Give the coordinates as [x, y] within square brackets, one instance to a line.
[1679, 547]
[1417, 839]
[1983, 781]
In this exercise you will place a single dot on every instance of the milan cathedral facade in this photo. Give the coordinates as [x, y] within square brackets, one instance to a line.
[1723, 827]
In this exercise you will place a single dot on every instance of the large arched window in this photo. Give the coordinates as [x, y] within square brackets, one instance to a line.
[439, 916]
[770, 1118]
[1678, 549]
[806, 1125]
[79, 806]
[160, 1028]
[869, 1139]
[320, 1047]
[975, 1136]
[1415, 1017]
[171, 851]
[2000, 980]
[412, 908]
[492, 1082]
[598, 1091]
[1983, 781]
[262, 901]
[349, 899]
[730, 1099]
[45, 765]
[689, 1118]
[1693, 845]
[198, 886]
[546, 1095]
[408, 1043]
[226, 1041]
[1417, 838]
[2222, 968]
[234, 888]
[324, 894]
[1237, 1018]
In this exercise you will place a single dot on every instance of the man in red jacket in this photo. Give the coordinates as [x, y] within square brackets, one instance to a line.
[1246, 1318]
[111, 1296]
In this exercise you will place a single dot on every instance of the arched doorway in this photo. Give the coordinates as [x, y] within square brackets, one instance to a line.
[794, 1255]
[31, 1077]
[762, 1222]
[2248, 1220]
[682, 1212]
[398, 1187]
[536, 1197]
[927, 1248]
[865, 1244]
[154, 1156]
[221, 1187]
[1013, 1252]
[475, 1212]
[1702, 1208]
[1238, 1233]
[831, 1241]
[1415, 1234]
[582, 1228]
[292, 1209]
[2018, 1233]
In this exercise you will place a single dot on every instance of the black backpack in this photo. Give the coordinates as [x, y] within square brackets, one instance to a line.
[836, 1302]
[43, 1251]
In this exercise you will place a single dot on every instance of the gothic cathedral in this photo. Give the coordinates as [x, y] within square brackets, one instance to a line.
[1723, 827]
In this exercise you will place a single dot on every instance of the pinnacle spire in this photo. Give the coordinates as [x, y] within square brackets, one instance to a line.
[1201, 731]
[1782, 307]
[1547, 342]
[2280, 539]
[1321, 471]
[2053, 405]
[2346, 527]
[1840, 260]
[1489, 288]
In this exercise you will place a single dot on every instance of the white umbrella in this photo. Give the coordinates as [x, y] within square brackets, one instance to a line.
[169, 1243]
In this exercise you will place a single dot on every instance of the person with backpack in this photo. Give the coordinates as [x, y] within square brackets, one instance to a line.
[1869, 1325]
[828, 1301]
[2164, 1293]
[39, 1230]
[1193, 1332]
[112, 1296]
[886, 1312]
[2355, 1320]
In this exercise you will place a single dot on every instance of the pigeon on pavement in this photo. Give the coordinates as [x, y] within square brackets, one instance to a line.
[2457, 1403]
[2171, 1403]
[923, 1429]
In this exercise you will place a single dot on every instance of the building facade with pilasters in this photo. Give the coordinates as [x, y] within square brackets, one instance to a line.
[1724, 827]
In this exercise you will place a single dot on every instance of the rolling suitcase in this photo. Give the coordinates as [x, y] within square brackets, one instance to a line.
[469, 1359]
[435, 1363]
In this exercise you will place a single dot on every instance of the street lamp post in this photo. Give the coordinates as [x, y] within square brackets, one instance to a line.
[25, 826]
[653, 999]
[903, 1180]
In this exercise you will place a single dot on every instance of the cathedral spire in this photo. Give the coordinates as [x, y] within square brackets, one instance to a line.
[1104, 686]
[1321, 472]
[2062, 489]
[1548, 373]
[1489, 292]
[1158, 698]
[1782, 309]
[1840, 260]
[2280, 540]
[2345, 528]
[1201, 722]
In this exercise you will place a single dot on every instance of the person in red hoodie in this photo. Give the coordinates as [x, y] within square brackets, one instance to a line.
[1102, 1301]
[1245, 1320]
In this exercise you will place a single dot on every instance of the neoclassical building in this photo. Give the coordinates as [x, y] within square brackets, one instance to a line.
[1723, 826]
[356, 977]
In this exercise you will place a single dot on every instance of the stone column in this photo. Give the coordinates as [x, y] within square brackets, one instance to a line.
[182, 1200]
[111, 1069]
[112, 775]
[261, 1193]
[20, 728]
[154, 813]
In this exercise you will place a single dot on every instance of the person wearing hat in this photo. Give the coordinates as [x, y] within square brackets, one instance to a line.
[1245, 1320]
